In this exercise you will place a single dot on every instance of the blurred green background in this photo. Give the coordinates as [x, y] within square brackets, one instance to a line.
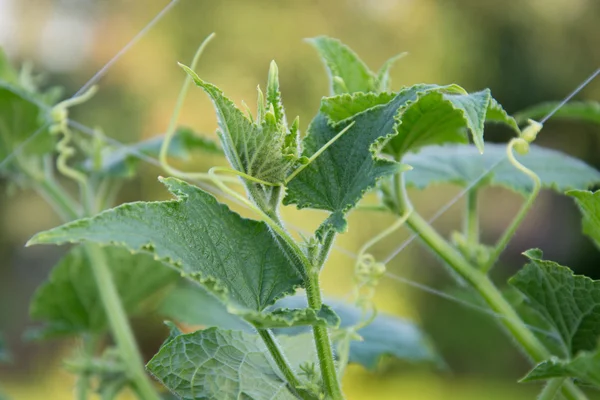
[525, 51]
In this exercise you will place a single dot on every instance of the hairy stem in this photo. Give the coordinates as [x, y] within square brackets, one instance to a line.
[119, 323]
[320, 332]
[481, 283]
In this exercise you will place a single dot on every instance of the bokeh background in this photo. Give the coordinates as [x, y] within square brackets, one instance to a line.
[525, 51]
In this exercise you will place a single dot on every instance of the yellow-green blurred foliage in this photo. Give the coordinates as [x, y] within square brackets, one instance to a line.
[524, 50]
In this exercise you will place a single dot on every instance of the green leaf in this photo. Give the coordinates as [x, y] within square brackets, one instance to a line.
[258, 148]
[589, 204]
[21, 117]
[569, 303]
[383, 81]
[122, 161]
[339, 177]
[463, 165]
[347, 72]
[222, 364]
[588, 111]
[341, 107]
[69, 301]
[386, 336]
[586, 367]
[291, 317]
[235, 258]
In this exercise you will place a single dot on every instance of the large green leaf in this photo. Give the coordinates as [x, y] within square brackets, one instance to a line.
[69, 302]
[588, 111]
[436, 118]
[238, 259]
[214, 363]
[260, 148]
[463, 165]
[122, 161]
[569, 303]
[386, 336]
[589, 204]
[339, 177]
[347, 72]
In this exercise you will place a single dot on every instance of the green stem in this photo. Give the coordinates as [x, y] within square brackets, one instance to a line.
[320, 332]
[551, 389]
[481, 283]
[471, 228]
[282, 363]
[119, 323]
[108, 294]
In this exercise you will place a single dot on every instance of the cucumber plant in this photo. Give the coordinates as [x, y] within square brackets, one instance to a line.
[269, 332]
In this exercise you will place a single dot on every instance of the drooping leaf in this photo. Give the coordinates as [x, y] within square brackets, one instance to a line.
[589, 204]
[69, 302]
[235, 258]
[386, 336]
[221, 364]
[258, 148]
[569, 303]
[463, 165]
[347, 72]
[588, 111]
[123, 161]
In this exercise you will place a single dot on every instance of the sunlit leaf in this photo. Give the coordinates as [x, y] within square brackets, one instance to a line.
[340, 176]
[69, 302]
[463, 165]
[588, 111]
[569, 303]
[222, 364]
[589, 204]
[237, 259]
[347, 72]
